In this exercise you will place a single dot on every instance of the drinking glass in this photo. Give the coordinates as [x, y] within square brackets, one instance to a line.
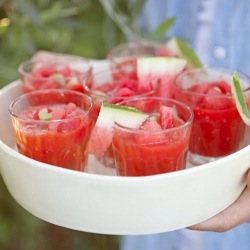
[105, 88]
[53, 126]
[53, 73]
[123, 57]
[218, 129]
[160, 144]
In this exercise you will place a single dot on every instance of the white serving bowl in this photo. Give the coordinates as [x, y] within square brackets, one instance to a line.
[116, 205]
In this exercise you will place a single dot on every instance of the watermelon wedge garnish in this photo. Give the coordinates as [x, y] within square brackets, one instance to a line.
[102, 134]
[162, 71]
[240, 99]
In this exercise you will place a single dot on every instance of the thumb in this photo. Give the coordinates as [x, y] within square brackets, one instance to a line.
[232, 216]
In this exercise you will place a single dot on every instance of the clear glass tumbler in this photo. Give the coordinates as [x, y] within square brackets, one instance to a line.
[160, 144]
[218, 129]
[53, 126]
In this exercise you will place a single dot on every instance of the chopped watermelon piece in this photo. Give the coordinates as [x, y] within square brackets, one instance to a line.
[224, 87]
[69, 125]
[45, 71]
[128, 83]
[47, 75]
[150, 125]
[124, 92]
[152, 149]
[166, 117]
[47, 135]
[215, 95]
[66, 71]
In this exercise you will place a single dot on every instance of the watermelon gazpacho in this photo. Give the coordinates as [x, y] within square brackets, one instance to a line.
[54, 74]
[107, 89]
[101, 137]
[144, 143]
[155, 77]
[53, 132]
[218, 129]
[122, 58]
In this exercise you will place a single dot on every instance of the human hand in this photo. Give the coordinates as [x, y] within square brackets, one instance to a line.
[234, 215]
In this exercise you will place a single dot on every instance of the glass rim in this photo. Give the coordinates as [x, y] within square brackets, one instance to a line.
[131, 45]
[136, 44]
[221, 71]
[48, 91]
[60, 60]
[186, 123]
[109, 72]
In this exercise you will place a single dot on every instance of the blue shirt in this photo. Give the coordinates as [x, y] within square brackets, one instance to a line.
[234, 239]
[230, 28]
[229, 48]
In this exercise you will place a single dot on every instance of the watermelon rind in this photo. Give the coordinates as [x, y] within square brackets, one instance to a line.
[159, 73]
[102, 133]
[240, 99]
[125, 116]
[160, 65]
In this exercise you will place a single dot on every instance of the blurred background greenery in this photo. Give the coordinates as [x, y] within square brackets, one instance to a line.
[68, 26]
[84, 27]
[87, 28]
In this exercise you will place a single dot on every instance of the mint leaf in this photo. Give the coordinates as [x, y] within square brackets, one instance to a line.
[188, 53]
[164, 26]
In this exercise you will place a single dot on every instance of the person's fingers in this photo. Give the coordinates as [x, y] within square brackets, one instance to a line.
[231, 217]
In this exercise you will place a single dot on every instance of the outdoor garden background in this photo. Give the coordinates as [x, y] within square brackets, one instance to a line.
[82, 27]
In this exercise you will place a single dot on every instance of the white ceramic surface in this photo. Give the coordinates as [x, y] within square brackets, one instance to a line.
[102, 203]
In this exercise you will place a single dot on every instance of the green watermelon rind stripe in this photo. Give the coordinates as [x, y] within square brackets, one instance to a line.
[240, 99]
[122, 108]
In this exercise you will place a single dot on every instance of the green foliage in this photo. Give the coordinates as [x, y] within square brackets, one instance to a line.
[188, 53]
[163, 27]
[75, 27]
[88, 28]
[65, 26]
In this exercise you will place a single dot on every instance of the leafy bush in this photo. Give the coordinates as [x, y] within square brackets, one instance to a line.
[66, 26]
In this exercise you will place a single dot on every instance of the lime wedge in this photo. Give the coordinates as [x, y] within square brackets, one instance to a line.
[240, 99]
